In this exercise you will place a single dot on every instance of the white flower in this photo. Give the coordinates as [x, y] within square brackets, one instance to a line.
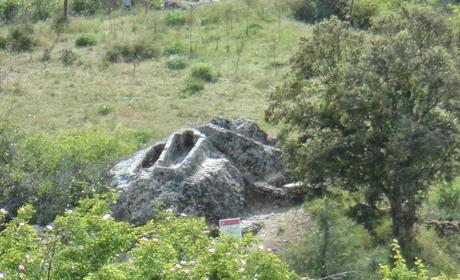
[183, 262]
[2, 275]
[144, 239]
[192, 262]
[187, 271]
[21, 224]
[49, 227]
[106, 216]
[211, 250]
[183, 215]
[3, 211]
[21, 268]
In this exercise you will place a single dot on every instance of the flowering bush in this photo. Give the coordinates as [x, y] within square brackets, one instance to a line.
[87, 243]
[400, 271]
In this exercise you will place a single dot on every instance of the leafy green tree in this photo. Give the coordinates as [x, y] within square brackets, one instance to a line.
[376, 113]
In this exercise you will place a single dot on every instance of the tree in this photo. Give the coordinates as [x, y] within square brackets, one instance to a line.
[66, 9]
[374, 112]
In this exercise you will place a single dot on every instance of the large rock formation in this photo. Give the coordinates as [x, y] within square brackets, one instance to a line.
[220, 170]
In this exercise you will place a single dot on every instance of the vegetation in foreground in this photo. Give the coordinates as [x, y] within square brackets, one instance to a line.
[113, 65]
[87, 243]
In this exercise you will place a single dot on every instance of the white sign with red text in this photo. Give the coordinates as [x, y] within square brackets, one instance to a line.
[230, 227]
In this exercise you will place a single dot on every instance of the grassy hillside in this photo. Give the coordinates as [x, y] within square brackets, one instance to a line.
[45, 94]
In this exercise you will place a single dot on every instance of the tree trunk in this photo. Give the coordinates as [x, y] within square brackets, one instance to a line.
[403, 220]
[66, 5]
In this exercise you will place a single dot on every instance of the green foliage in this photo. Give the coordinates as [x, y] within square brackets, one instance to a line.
[333, 243]
[372, 118]
[363, 11]
[193, 87]
[438, 253]
[3, 43]
[400, 270]
[448, 198]
[55, 172]
[87, 243]
[204, 72]
[68, 57]
[176, 48]
[313, 10]
[15, 10]
[84, 7]
[20, 39]
[104, 109]
[9, 10]
[85, 40]
[176, 19]
[137, 51]
[176, 62]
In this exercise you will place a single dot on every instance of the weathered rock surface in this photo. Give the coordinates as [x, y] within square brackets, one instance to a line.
[220, 170]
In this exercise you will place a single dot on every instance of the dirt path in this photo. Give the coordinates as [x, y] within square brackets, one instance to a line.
[280, 228]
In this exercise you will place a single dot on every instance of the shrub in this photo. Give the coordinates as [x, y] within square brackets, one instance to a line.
[84, 7]
[449, 198]
[20, 39]
[141, 50]
[176, 62]
[304, 10]
[401, 271]
[312, 10]
[46, 55]
[176, 48]
[68, 57]
[363, 11]
[193, 87]
[87, 243]
[330, 248]
[9, 10]
[44, 9]
[204, 72]
[104, 109]
[254, 28]
[176, 19]
[3, 43]
[85, 40]
[54, 172]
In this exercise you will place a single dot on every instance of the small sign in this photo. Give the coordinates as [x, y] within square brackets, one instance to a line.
[230, 227]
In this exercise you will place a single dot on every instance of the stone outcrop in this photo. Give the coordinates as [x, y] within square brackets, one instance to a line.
[445, 228]
[220, 170]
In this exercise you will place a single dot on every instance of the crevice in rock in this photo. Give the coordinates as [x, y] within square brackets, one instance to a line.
[152, 156]
[184, 143]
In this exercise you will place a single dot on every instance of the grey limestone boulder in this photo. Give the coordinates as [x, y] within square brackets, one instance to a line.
[219, 170]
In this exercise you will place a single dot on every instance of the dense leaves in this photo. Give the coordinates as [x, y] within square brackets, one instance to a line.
[87, 243]
[381, 118]
[55, 172]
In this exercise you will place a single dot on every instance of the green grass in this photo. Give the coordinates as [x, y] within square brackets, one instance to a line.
[45, 95]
